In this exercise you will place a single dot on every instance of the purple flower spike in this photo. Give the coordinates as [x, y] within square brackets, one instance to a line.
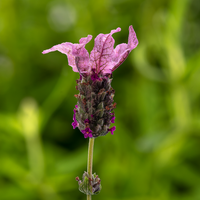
[87, 133]
[112, 119]
[112, 129]
[95, 98]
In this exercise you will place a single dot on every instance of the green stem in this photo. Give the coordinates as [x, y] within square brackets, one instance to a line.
[90, 161]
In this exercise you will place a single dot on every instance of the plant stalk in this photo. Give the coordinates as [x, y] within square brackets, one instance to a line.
[90, 161]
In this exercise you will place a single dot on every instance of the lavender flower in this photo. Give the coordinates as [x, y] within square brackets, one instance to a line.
[75, 123]
[93, 113]
[112, 129]
[87, 133]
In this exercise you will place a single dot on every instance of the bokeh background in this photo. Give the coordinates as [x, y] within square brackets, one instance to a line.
[154, 153]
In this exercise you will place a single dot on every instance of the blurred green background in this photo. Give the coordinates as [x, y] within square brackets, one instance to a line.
[154, 153]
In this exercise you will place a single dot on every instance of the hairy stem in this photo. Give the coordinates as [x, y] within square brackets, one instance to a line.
[90, 161]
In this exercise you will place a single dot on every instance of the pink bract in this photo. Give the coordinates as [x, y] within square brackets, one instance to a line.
[103, 59]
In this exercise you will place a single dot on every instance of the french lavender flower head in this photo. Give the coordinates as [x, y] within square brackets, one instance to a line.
[94, 111]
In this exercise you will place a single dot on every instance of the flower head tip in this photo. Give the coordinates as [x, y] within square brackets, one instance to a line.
[103, 59]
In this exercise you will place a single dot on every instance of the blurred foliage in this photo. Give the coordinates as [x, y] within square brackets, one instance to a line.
[154, 153]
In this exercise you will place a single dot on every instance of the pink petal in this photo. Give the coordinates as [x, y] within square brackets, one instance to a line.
[65, 48]
[86, 135]
[102, 53]
[90, 135]
[122, 51]
[132, 39]
[79, 51]
[72, 51]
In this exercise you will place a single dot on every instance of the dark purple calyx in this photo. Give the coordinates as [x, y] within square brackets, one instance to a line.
[94, 110]
[94, 77]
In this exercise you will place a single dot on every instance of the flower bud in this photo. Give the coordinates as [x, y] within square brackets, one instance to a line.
[89, 186]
